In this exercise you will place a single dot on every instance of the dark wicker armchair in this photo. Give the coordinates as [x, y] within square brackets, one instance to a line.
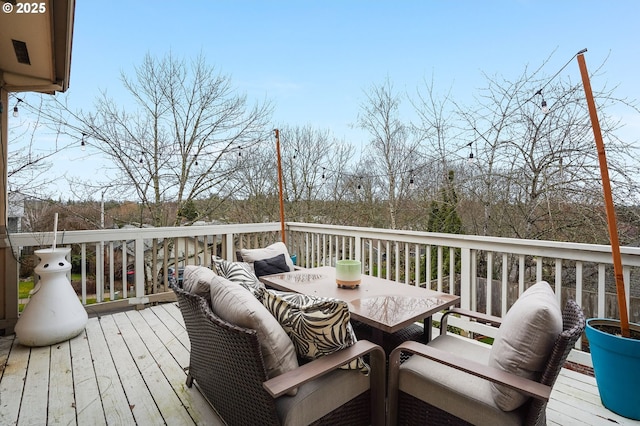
[227, 365]
[463, 406]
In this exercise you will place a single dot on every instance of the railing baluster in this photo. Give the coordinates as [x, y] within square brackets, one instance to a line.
[439, 269]
[452, 270]
[505, 285]
[539, 261]
[112, 270]
[99, 276]
[558, 285]
[416, 273]
[579, 282]
[601, 289]
[83, 272]
[521, 273]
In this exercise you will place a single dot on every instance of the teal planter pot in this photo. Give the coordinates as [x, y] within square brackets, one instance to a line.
[616, 363]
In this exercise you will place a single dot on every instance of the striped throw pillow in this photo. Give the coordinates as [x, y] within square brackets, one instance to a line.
[238, 272]
[317, 326]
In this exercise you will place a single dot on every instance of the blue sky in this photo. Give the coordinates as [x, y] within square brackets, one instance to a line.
[315, 59]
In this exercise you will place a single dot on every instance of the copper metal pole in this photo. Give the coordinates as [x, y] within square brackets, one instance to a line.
[280, 190]
[608, 199]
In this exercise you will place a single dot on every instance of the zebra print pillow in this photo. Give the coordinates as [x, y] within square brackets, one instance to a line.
[317, 326]
[238, 272]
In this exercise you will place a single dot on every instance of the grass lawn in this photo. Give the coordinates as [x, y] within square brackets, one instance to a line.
[26, 285]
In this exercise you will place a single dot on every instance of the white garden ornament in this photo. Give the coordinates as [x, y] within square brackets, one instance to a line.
[54, 313]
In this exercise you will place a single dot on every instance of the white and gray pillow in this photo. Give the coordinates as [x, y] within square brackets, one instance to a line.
[251, 255]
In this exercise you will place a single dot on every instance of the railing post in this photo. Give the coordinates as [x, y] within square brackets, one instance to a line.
[139, 273]
[466, 280]
[228, 247]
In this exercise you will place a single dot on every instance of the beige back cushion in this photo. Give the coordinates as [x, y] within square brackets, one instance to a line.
[197, 280]
[525, 339]
[237, 305]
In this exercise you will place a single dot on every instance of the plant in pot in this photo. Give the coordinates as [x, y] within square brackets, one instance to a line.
[614, 345]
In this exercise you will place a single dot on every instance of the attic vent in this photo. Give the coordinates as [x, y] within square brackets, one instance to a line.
[22, 54]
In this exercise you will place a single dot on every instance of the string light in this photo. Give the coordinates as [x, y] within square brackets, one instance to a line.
[471, 159]
[412, 185]
[543, 105]
[83, 144]
[195, 157]
[15, 108]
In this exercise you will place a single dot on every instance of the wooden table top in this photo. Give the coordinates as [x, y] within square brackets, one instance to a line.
[384, 304]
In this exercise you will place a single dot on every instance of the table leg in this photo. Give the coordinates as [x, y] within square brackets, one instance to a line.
[428, 329]
[377, 336]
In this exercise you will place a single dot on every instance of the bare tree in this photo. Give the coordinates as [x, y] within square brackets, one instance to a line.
[313, 164]
[536, 173]
[172, 144]
[32, 148]
[393, 149]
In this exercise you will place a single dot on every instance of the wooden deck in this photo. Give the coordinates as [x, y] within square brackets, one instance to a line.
[129, 368]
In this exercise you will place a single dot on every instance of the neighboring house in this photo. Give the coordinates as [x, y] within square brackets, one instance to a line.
[189, 251]
[15, 212]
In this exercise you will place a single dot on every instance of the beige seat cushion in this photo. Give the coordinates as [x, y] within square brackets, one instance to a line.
[525, 339]
[463, 395]
[321, 396]
[235, 304]
[251, 255]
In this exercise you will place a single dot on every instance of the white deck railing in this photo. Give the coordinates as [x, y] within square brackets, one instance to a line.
[487, 272]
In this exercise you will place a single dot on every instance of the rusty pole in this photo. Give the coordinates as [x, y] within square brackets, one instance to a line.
[280, 189]
[608, 198]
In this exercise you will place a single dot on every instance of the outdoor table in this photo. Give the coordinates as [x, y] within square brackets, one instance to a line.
[384, 305]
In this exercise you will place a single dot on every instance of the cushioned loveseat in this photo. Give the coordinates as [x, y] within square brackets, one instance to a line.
[246, 365]
[458, 381]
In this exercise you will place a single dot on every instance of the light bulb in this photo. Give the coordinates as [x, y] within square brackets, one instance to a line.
[15, 111]
[83, 146]
[545, 108]
[412, 185]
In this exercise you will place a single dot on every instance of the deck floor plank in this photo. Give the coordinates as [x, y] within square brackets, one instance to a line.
[61, 394]
[170, 315]
[161, 389]
[89, 409]
[114, 400]
[36, 387]
[139, 397]
[139, 358]
[162, 344]
[13, 380]
[5, 349]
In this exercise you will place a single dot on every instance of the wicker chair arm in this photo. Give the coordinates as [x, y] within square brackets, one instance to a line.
[283, 383]
[526, 386]
[479, 316]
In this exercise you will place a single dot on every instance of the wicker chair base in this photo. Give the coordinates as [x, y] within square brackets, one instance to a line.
[355, 412]
[417, 412]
